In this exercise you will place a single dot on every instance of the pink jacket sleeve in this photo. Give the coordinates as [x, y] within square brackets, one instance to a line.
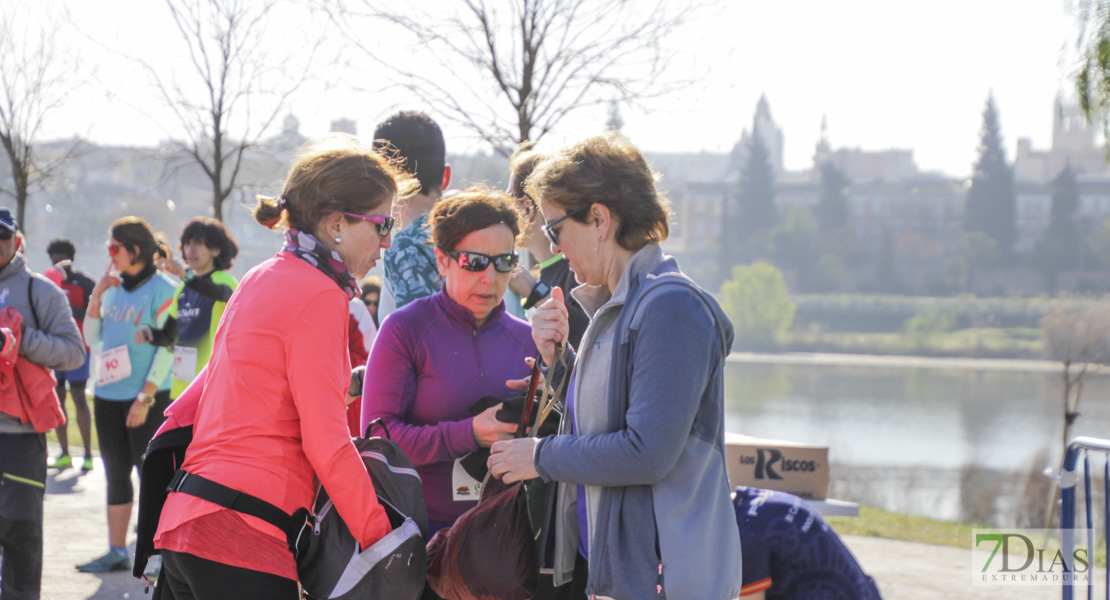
[319, 373]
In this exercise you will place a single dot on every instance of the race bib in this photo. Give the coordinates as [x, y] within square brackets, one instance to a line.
[464, 487]
[184, 363]
[113, 365]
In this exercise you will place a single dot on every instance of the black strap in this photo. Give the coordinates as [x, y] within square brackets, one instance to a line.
[31, 301]
[380, 423]
[206, 489]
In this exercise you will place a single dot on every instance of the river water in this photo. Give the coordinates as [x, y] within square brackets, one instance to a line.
[951, 443]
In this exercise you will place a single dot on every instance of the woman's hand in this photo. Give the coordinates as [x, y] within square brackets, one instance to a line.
[487, 429]
[136, 417]
[512, 460]
[522, 384]
[171, 266]
[143, 334]
[107, 280]
[550, 325]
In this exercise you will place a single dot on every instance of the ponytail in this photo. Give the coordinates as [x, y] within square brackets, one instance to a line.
[269, 211]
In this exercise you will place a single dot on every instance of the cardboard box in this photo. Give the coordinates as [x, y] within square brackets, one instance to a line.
[800, 469]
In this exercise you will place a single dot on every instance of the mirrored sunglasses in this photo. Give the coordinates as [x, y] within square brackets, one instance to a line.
[478, 262]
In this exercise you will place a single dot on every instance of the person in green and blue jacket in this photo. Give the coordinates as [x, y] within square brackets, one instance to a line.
[199, 302]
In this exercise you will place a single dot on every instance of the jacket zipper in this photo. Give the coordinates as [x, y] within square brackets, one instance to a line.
[320, 516]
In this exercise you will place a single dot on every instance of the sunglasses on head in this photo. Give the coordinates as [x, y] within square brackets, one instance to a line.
[384, 223]
[550, 231]
[478, 262]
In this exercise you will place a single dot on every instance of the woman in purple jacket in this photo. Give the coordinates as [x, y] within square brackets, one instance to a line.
[437, 356]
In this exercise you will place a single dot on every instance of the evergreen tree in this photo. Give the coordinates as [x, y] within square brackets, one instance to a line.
[757, 190]
[832, 208]
[746, 220]
[991, 205]
[1061, 245]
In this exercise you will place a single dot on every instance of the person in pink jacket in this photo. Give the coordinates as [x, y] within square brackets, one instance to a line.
[271, 417]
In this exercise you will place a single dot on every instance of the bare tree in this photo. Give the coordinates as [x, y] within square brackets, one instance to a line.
[1078, 337]
[510, 71]
[238, 83]
[36, 75]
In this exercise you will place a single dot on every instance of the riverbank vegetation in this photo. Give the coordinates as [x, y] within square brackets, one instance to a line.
[768, 318]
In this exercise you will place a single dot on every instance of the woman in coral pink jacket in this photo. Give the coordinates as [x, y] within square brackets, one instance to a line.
[272, 416]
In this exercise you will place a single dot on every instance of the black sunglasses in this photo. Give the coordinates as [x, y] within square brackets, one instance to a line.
[478, 262]
[550, 231]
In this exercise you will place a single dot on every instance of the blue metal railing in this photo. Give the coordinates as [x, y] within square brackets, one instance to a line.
[1068, 480]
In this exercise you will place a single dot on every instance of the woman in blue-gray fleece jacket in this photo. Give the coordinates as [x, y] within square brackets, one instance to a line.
[643, 493]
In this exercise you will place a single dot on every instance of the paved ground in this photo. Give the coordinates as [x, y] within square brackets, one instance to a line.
[76, 531]
[912, 571]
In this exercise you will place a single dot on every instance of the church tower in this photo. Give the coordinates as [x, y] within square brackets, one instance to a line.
[768, 131]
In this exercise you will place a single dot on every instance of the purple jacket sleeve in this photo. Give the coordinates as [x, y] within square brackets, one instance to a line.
[390, 392]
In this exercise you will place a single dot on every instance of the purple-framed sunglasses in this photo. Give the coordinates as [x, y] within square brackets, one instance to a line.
[384, 223]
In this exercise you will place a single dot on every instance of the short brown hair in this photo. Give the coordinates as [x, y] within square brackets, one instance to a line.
[139, 238]
[215, 236]
[521, 165]
[473, 209]
[606, 170]
[333, 174]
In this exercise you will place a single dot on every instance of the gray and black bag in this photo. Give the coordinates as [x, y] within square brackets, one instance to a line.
[330, 562]
[333, 565]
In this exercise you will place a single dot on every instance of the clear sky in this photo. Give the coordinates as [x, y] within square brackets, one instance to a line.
[886, 73]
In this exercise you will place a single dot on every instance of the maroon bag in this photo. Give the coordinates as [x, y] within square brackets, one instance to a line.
[489, 553]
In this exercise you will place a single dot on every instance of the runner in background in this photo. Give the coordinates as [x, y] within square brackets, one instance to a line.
[554, 270]
[416, 142]
[198, 303]
[37, 332]
[133, 380]
[77, 285]
[372, 295]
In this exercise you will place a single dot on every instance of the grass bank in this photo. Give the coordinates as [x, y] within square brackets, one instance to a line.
[980, 342]
[875, 522]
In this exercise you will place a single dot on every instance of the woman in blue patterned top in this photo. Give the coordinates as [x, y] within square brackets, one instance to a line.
[132, 380]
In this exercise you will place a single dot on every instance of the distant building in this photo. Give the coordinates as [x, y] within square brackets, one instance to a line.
[1073, 142]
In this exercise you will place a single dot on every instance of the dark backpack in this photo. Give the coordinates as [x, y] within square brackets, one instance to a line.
[334, 566]
[330, 563]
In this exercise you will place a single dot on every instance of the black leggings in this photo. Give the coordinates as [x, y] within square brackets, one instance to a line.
[122, 447]
[188, 577]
